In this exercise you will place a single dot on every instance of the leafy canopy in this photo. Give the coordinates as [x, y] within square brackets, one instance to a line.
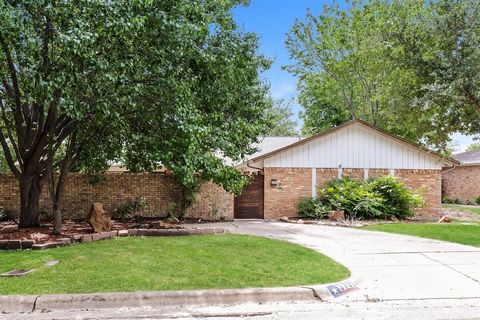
[146, 83]
[410, 67]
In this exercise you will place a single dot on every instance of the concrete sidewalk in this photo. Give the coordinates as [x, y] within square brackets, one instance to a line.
[390, 266]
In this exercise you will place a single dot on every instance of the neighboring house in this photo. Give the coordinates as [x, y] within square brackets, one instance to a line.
[462, 182]
[356, 149]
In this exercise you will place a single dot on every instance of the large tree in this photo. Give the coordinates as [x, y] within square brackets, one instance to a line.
[280, 116]
[410, 67]
[149, 83]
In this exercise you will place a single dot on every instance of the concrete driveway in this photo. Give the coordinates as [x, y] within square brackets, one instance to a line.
[390, 266]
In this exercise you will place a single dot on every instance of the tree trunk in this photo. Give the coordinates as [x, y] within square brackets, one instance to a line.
[30, 190]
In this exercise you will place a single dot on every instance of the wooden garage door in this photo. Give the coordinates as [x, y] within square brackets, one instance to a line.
[249, 205]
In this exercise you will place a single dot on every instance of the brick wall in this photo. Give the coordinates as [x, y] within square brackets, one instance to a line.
[282, 199]
[428, 183]
[211, 203]
[296, 184]
[159, 190]
[462, 183]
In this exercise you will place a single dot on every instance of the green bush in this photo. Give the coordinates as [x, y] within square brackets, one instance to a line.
[130, 208]
[6, 215]
[477, 200]
[312, 209]
[399, 201]
[381, 198]
[447, 201]
[355, 198]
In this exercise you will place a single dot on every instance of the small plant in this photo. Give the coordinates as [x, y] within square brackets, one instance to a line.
[172, 215]
[6, 215]
[313, 209]
[457, 201]
[448, 201]
[132, 207]
[477, 200]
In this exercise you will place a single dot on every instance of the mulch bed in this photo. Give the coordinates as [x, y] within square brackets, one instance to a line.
[9, 230]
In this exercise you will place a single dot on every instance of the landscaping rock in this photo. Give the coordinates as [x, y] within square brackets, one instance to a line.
[157, 225]
[76, 238]
[284, 219]
[27, 244]
[38, 236]
[3, 244]
[42, 246]
[98, 236]
[86, 238]
[141, 232]
[445, 219]
[123, 233]
[338, 215]
[99, 219]
[63, 242]
[14, 245]
[113, 234]
[132, 232]
[157, 232]
[9, 228]
[51, 263]
[300, 221]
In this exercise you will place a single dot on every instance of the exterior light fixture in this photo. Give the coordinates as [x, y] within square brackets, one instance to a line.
[274, 182]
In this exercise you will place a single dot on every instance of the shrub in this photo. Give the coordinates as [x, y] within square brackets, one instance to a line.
[447, 201]
[6, 215]
[456, 201]
[312, 209]
[381, 198]
[130, 208]
[477, 200]
[355, 198]
[399, 201]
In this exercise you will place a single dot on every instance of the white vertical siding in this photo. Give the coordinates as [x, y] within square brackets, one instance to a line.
[354, 146]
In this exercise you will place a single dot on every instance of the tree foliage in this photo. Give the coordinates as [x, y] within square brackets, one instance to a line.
[279, 114]
[147, 83]
[410, 67]
[473, 146]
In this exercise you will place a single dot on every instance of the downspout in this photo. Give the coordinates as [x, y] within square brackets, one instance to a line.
[448, 170]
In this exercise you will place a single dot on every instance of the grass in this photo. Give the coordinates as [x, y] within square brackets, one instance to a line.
[195, 262]
[463, 233]
[473, 209]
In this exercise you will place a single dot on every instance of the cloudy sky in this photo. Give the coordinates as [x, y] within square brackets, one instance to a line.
[271, 20]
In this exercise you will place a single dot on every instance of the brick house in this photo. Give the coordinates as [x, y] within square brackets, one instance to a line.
[287, 174]
[462, 181]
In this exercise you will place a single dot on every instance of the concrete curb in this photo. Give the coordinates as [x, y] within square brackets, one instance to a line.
[214, 297]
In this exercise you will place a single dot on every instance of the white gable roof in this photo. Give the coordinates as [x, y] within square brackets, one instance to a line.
[355, 144]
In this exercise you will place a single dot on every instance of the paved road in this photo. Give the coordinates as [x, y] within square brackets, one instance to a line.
[402, 277]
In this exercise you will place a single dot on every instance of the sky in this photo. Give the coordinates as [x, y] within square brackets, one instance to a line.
[271, 20]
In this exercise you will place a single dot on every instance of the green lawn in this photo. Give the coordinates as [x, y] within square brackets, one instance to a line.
[194, 262]
[464, 233]
[462, 207]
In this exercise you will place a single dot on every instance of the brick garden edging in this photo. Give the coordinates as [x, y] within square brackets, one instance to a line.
[81, 238]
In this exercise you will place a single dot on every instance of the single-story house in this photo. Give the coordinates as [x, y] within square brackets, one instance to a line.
[462, 182]
[297, 167]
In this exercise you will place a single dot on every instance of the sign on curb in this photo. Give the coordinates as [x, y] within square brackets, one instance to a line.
[341, 288]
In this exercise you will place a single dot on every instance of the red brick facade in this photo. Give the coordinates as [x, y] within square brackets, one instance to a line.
[159, 190]
[462, 183]
[295, 184]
